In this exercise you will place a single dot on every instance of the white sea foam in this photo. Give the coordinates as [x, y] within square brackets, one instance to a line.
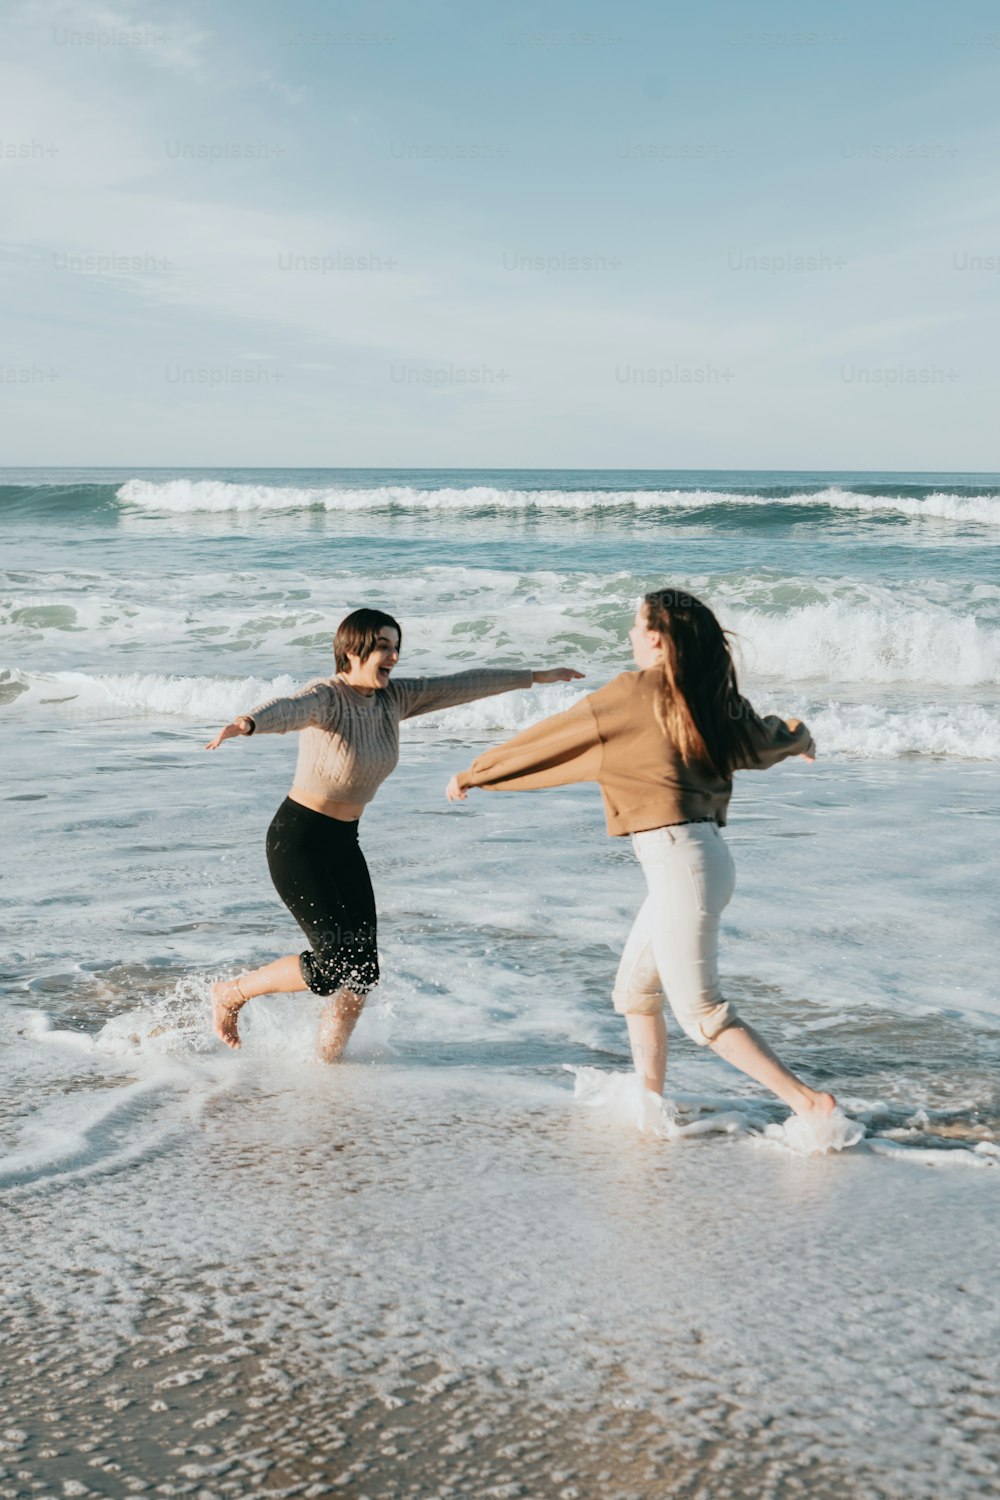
[930, 1156]
[815, 1137]
[968, 731]
[216, 700]
[982, 510]
[207, 699]
[621, 1102]
[104, 618]
[180, 496]
[624, 1102]
[93, 1133]
[884, 642]
[820, 629]
[156, 1063]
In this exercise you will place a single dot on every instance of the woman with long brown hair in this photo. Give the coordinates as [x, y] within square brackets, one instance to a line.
[348, 744]
[663, 742]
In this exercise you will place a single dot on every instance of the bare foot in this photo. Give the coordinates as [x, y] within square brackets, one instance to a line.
[817, 1106]
[227, 1002]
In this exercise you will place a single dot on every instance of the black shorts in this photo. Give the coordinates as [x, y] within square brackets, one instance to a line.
[320, 874]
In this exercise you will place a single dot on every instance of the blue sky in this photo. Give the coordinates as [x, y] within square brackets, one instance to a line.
[515, 235]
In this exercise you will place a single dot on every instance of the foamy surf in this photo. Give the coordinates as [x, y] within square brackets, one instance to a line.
[80, 1131]
[206, 699]
[625, 1103]
[110, 1133]
[216, 700]
[172, 1036]
[817, 1136]
[859, 640]
[931, 1156]
[908, 1137]
[114, 1096]
[166, 1031]
[190, 496]
[873, 731]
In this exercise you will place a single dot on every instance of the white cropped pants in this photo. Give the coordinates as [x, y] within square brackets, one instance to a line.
[673, 948]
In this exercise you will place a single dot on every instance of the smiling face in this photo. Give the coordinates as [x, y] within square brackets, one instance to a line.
[373, 672]
[647, 645]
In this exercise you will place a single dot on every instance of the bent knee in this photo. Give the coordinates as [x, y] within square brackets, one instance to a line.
[329, 974]
[704, 1025]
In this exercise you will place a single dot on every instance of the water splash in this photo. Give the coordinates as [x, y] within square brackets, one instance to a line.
[817, 1137]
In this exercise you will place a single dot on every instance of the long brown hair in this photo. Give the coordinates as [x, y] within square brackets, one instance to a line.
[699, 706]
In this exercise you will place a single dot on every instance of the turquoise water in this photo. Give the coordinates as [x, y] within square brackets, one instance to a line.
[451, 1204]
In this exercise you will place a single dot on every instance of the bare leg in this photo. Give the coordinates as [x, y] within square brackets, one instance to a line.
[338, 1020]
[648, 1039]
[740, 1045]
[283, 977]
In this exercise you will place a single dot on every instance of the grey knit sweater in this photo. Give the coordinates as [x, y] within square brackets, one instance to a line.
[350, 740]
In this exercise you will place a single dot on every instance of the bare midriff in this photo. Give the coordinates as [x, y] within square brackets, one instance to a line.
[345, 812]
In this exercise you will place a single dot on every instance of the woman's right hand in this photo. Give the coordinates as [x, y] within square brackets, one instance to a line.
[231, 731]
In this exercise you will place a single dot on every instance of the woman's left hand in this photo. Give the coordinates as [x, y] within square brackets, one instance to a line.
[556, 674]
[454, 792]
[809, 753]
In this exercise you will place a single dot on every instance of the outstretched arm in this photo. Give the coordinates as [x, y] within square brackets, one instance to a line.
[773, 738]
[425, 695]
[561, 750]
[315, 704]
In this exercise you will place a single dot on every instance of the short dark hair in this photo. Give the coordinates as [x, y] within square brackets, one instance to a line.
[357, 635]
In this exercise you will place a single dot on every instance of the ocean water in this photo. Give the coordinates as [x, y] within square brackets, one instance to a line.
[472, 1259]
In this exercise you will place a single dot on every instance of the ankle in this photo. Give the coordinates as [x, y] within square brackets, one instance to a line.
[813, 1100]
[330, 1049]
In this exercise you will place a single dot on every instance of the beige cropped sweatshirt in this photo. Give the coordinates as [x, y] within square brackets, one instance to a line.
[614, 738]
[349, 741]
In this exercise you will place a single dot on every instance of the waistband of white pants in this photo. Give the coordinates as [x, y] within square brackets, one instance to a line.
[684, 823]
[668, 828]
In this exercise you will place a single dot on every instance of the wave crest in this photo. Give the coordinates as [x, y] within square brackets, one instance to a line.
[965, 731]
[190, 496]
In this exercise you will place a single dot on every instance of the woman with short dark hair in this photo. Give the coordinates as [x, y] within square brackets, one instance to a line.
[348, 745]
